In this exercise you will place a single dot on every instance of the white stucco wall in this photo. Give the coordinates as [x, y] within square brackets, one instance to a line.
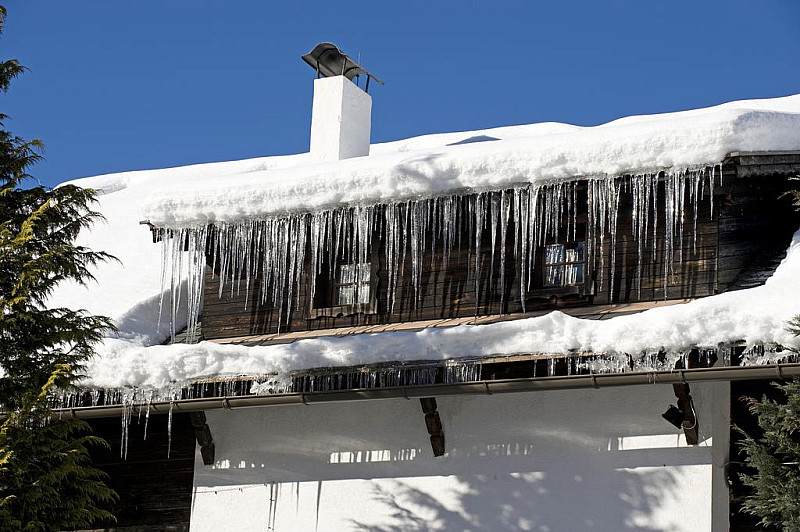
[600, 460]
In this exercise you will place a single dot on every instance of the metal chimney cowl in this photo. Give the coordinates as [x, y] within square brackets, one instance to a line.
[340, 120]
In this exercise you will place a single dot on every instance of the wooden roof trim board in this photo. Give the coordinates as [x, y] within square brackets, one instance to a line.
[597, 312]
[764, 163]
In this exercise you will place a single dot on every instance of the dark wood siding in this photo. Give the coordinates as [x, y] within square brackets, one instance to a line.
[155, 491]
[737, 247]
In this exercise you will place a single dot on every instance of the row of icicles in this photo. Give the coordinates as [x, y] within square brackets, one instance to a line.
[394, 375]
[273, 251]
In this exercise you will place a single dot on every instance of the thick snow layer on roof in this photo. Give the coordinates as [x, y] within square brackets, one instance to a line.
[478, 160]
[129, 292]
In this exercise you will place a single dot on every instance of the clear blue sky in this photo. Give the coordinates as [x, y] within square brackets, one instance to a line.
[119, 85]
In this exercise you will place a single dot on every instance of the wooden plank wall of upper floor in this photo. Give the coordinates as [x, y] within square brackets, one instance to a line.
[735, 248]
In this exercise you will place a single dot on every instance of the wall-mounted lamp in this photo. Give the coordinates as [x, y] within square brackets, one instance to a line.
[675, 416]
[683, 416]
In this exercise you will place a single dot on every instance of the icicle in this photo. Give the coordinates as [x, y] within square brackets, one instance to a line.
[521, 239]
[127, 411]
[494, 221]
[711, 187]
[418, 237]
[147, 413]
[169, 427]
[694, 195]
[478, 212]
[505, 211]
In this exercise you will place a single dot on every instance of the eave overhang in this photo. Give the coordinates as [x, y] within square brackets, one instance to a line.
[483, 387]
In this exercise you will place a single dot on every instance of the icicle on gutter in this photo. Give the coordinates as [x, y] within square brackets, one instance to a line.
[395, 375]
[130, 399]
[273, 252]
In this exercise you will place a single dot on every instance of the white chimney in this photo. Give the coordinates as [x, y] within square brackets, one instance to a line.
[340, 120]
[341, 114]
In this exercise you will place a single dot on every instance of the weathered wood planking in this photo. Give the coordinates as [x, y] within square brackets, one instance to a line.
[154, 491]
[737, 247]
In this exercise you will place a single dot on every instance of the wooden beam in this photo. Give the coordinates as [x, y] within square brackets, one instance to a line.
[767, 169]
[434, 425]
[591, 312]
[689, 419]
[203, 435]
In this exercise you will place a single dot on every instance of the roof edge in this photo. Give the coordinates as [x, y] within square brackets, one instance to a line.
[532, 384]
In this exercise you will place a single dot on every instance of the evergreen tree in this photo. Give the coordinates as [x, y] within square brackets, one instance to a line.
[776, 458]
[776, 455]
[46, 481]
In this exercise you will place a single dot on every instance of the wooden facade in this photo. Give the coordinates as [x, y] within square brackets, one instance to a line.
[736, 246]
[155, 490]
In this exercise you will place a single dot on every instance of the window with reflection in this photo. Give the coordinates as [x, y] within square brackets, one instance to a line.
[564, 264]
[353, 284]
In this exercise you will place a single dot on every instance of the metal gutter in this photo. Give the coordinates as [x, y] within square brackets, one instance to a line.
[760, 153]
[606, 380]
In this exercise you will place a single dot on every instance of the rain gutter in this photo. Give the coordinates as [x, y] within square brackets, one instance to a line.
[492, 387]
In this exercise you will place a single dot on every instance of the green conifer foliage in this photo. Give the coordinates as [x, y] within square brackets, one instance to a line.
[46, 480]
[775, 456]
[776, 459]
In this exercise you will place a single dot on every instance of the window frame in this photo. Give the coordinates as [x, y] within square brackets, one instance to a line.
[564, 264]
[331, 286]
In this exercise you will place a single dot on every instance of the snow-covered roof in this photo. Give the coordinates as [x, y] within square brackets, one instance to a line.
[437, 164]
[129, 292]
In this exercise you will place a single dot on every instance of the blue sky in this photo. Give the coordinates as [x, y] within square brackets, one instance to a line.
[121, 85]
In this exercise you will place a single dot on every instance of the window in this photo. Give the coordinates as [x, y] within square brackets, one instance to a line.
[351, 290]
[563, 264]
[353, 284]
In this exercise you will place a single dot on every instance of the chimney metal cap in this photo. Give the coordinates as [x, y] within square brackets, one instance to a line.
[328, 60]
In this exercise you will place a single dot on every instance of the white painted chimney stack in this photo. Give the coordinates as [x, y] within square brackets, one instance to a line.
[340, 120]
[342, 111]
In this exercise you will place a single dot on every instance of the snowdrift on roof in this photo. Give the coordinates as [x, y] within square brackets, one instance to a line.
[446, 163]
[129, 292]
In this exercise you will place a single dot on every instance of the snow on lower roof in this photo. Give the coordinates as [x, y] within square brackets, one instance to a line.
[129, 292]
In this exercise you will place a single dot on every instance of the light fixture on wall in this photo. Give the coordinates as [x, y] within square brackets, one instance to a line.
[675, 416]
[684, 416]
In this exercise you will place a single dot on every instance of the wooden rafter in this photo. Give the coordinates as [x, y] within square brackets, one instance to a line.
[203, 434]
[687, 407]
[434, 425]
